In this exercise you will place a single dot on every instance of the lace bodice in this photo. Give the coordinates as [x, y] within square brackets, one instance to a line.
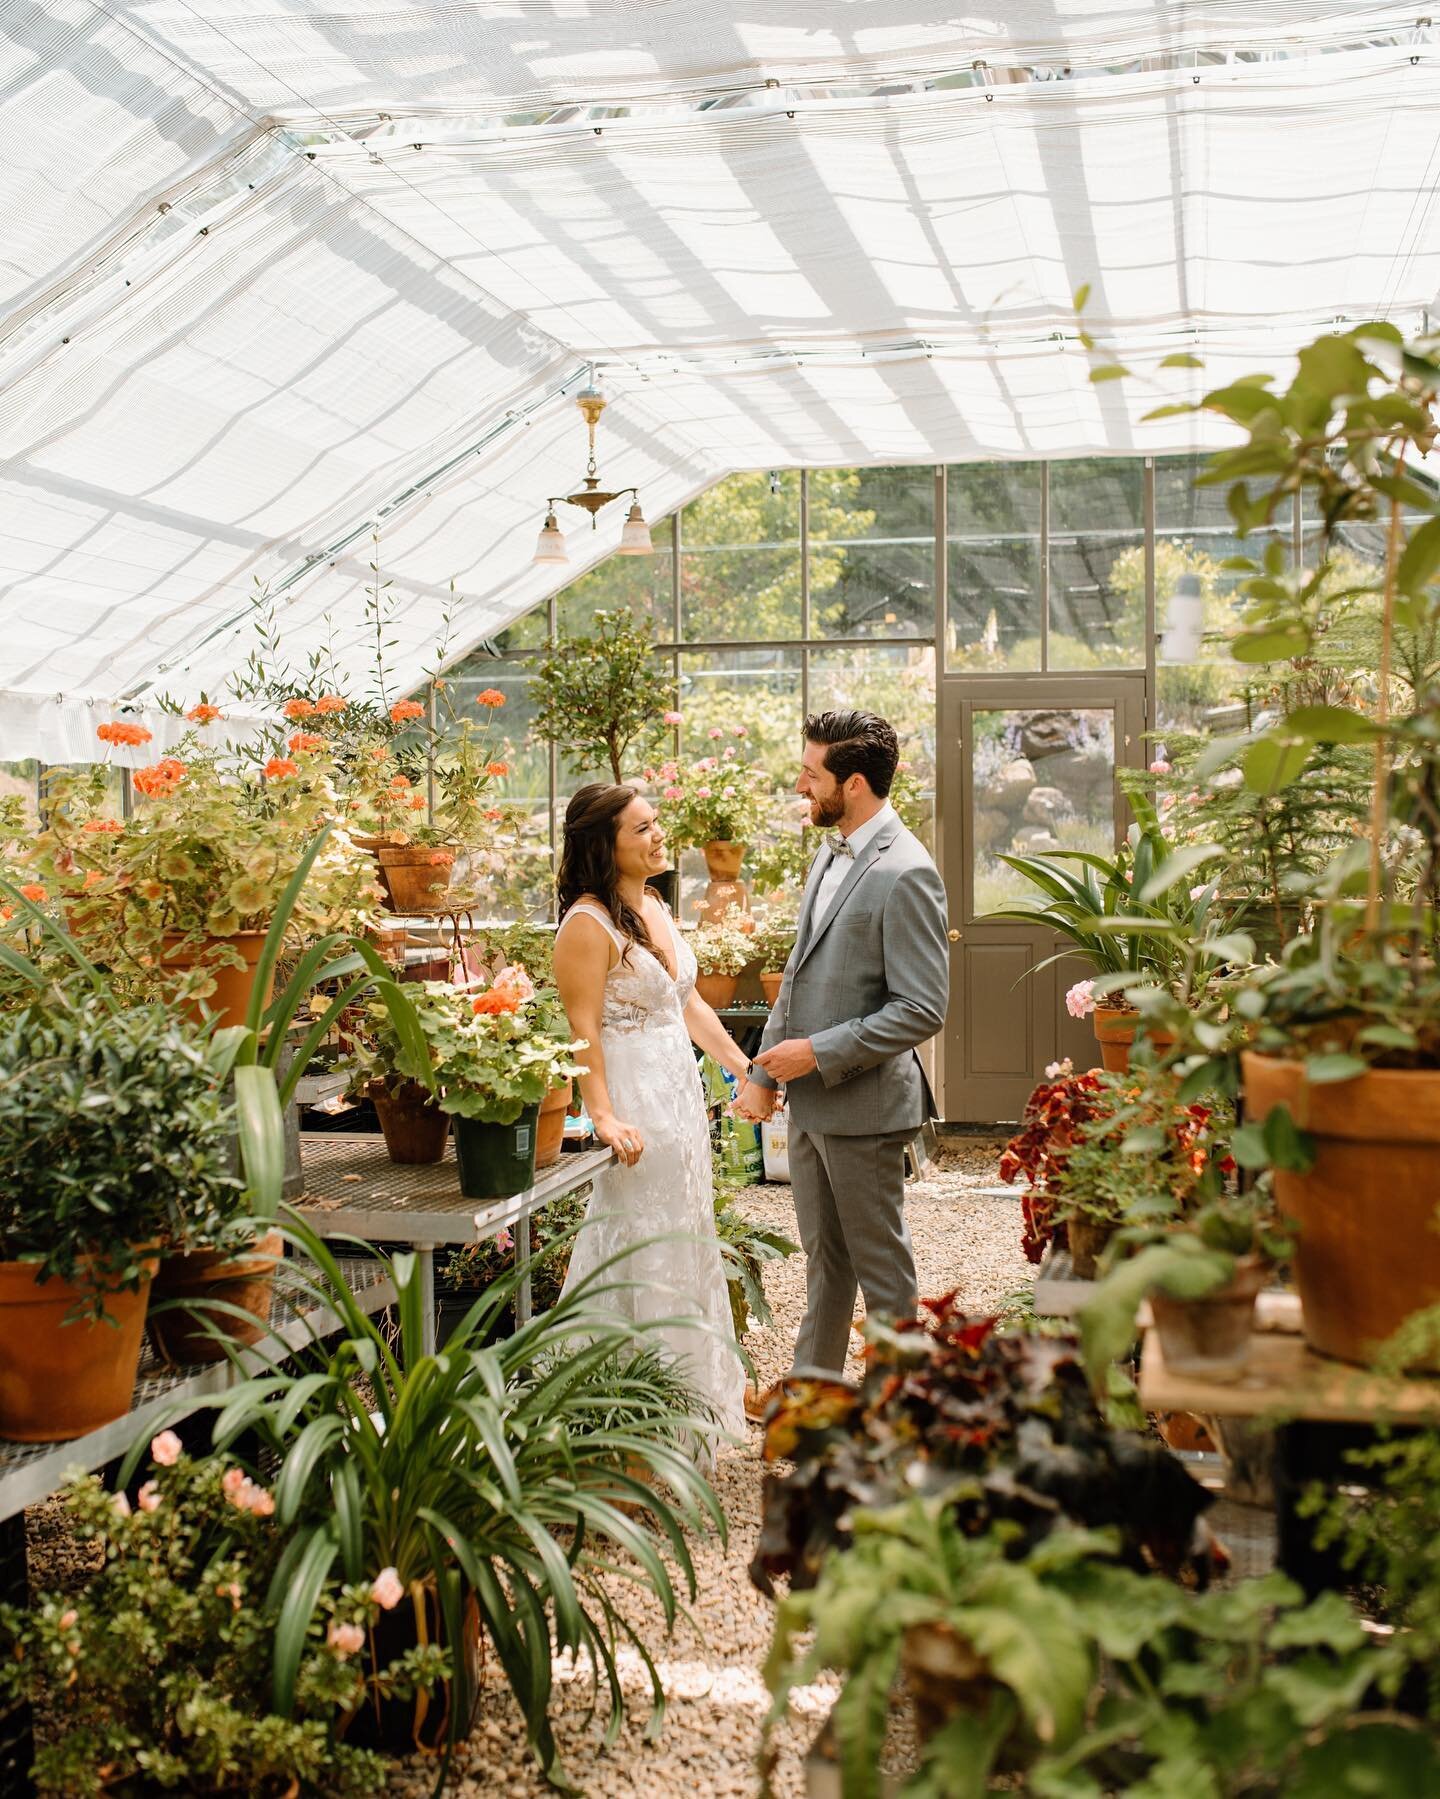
[639, 992]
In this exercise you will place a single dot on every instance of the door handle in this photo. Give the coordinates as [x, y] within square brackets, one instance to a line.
[954, 936]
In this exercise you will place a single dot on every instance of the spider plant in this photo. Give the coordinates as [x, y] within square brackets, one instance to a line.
[505, 1474]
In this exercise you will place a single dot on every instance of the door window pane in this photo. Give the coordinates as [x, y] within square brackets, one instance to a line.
[740, 559]
[1039, 780]
[992, 543]
[872, 552]
[1097, 564]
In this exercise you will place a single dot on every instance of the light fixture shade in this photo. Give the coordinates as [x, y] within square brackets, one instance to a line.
[1184, 621]
[635, 538]
[550, 545]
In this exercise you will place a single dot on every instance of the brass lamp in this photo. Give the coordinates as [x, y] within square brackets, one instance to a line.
[634, 538]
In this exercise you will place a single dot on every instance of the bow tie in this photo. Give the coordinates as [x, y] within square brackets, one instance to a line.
[839, 845]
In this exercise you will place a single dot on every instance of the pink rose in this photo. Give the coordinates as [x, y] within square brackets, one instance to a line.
[345, 1639]
[148, 1497]
[674, 718]
[166, 1449]
[1080, 1001]
[674, 793]
[387, 1589]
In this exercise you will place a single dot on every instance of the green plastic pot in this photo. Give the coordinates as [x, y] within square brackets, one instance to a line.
[496, 1160]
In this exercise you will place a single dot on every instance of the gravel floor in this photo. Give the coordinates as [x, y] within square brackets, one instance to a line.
[711, 1665]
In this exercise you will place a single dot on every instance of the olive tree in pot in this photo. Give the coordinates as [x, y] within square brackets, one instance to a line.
[1338, 1046]
[113, 1138]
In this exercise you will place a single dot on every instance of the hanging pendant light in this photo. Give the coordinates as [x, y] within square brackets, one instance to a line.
[635, 538]
[550, 545]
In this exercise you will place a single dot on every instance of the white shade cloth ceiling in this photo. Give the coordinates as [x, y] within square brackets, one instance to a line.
[272, 270]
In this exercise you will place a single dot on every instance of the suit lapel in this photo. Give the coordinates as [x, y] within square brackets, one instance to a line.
[865, 860]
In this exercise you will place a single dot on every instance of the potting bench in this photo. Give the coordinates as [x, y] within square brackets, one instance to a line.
[353, 1189]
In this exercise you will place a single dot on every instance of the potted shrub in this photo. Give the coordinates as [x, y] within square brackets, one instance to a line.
[497, 1055]
[1201, 1277]
[717, 804]
[188, 885]
[1341, 1072]
[157, 1670]
[381, 1066]
[772, 943]
[443, 1487]
[113, 1141]
[721, 952]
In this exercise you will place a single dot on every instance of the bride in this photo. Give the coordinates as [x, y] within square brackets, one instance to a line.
[627, 980]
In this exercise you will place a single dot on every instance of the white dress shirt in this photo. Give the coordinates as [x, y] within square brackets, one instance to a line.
[839, 866]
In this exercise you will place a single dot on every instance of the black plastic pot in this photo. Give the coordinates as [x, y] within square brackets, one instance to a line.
[496, 1160]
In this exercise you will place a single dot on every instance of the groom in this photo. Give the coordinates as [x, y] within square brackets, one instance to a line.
[866, 984]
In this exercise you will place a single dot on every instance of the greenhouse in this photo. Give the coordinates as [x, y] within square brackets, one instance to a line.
[719, 855]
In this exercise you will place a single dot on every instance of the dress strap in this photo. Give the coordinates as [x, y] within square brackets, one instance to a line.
[600, 915]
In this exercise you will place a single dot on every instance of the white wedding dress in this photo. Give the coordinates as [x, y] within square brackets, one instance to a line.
[655, 1085]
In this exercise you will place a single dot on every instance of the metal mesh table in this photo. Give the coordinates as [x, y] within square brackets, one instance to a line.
[353, 1189]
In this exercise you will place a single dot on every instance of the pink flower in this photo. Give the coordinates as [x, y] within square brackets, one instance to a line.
[714, 732]
[1195, 892]
[705, 764]
[68, 1620]
[741, 731]
[702, 793]
[1167, 801]
[729, 752]
[1079, 1001]
[504, 1240]
[166, 1449]
[233, 1481]
[1059, 1071]
[261, 1503]
[230, 1590]
[387, 1590]
[345, 1639]
[1159, 766]
[727, 793]
[148, 1498]
[120, 1505]
[674, 793]
[674, 718]
[245, 1496]
[1193, 797]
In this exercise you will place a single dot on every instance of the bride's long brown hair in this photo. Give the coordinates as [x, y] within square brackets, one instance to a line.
[587, 860]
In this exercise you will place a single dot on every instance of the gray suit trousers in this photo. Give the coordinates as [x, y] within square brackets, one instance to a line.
[849, 1197]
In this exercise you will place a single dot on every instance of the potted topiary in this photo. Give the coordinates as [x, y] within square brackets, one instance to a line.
[772, 943]
[721, 952]
[113, 1140]
[603, 698]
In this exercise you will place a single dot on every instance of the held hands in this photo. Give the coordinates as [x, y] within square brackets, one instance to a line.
[755, 1102]
[625, 1139]
[788, 1061]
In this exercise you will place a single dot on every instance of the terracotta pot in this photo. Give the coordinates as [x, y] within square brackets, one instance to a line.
[1367, 1255]
[1185, 1432]
[417, 878]
[550, 1131]
[717, 990]
[1115, 1029]
[1209, 1337]
[726, 891]
[770, 984]
[413, 1126]
[60, 1380]
[233, 986]
[1086, 1239]
[243, 1280]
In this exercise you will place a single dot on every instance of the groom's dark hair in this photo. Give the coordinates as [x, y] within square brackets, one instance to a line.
[857, 743]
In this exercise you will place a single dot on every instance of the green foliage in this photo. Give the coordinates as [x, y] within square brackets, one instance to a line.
[114, 1132]
[158, 1672]
[745, 1248]
[774, 937]
[718, 798]
[602, 698]
[721, 948]
[509, 1471]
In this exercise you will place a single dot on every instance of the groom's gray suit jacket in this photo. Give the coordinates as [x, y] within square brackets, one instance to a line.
[867, 986]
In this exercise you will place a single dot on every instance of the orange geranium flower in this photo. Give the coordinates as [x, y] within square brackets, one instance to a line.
[306, 740]
[497, 768]
[160, 778]
[280, 768]
[417, 802]
[490, 696]
[406, 709]
[120, 731]
[331, 702]
[497, 1001]
[399, 782]
[203, 714]
[299, 708]
[34, 892]
[108, 827]
[93, 877]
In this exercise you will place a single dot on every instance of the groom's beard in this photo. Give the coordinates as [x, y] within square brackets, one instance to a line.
[825, 813]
